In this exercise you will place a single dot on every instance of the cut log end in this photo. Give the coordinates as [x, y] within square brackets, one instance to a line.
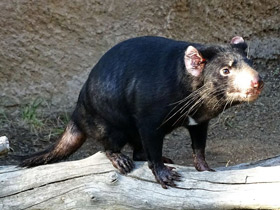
[4, 145]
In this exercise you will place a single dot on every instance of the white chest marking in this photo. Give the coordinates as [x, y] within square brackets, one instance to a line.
[192, 121]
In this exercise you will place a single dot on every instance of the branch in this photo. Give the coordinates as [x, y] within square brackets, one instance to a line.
[93, 183]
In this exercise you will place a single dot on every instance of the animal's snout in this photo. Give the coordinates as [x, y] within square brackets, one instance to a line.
[257, 83]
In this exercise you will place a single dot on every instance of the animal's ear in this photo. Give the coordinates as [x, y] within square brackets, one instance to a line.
[238, 42]
[194, 62]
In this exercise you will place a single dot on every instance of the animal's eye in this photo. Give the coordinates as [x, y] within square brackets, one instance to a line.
[225, 71]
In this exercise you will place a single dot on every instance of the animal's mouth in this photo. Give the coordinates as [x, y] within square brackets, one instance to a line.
[248, 95]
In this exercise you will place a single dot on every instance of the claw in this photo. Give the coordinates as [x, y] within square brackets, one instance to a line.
[166, 176]
[121, 162]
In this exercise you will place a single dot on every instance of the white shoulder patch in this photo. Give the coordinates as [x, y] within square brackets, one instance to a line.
[192, 121]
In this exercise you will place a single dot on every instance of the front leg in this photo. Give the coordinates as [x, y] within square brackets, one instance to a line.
[198, 135]
[152, 142]
[140, 155]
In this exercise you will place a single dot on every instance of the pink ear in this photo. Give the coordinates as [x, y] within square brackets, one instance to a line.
[237, 40]
[194, 62]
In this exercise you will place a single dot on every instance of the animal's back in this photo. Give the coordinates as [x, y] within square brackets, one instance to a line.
[141, 56]
[134, 75]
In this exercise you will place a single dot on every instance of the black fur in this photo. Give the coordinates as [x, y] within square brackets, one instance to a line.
[139, 91]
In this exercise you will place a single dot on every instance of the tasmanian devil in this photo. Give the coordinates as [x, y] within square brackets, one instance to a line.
[145, 87]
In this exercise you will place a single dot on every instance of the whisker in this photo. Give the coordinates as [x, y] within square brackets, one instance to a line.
[227, 102]
[191, 97]
[187, 112]
[166, 120]
[248, 51]
[212, 94]
[195, 107]
[194, 101]
[184, 99]
[231, 101]
[218, 102]
[185, 106]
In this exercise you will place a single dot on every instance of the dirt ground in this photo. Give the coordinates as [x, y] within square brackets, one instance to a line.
[244, 133]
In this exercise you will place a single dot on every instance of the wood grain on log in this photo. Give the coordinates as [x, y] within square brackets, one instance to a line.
[93, 183]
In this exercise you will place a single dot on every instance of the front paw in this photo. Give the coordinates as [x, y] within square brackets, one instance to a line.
[165, 175]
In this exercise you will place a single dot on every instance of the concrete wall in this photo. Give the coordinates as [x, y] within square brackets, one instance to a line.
[47, 47]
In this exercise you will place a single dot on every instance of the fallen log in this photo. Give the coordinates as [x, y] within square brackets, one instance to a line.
[93, 183]
[4, 145]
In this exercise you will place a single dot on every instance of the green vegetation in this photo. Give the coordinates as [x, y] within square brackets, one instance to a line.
[38, 122]
[58, 125]
[30, 113]
[276, 72]
[3, 117]
[32, 124]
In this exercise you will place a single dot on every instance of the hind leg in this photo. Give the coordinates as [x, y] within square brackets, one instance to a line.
[112, 139]
[120, 161]
[113, 144]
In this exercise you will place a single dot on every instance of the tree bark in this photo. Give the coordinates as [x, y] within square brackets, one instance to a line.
[93, 183]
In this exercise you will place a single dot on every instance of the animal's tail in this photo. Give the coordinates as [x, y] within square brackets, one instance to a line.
[70, 141]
